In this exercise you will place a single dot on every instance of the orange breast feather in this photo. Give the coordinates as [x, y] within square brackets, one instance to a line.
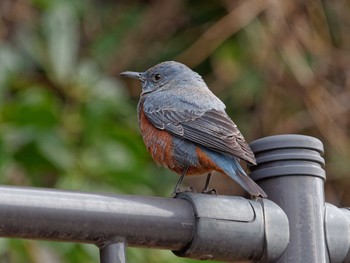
[161, 147]
[158, 142]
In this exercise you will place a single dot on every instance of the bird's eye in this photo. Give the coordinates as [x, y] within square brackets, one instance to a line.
[157, 77]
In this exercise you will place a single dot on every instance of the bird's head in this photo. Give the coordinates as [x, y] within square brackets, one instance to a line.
[163, 76]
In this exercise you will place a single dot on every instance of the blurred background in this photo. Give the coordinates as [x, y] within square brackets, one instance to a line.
[68, 121]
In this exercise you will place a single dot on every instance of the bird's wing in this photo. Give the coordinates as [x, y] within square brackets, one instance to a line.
[212, 129]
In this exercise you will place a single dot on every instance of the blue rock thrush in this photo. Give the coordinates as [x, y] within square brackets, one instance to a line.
[185, 126]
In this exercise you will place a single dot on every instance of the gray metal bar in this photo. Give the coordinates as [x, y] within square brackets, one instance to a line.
[200, 226]
[337, 232]
[227, 228]
[231, 228]
[113, 253]
[346, 213]
[95, 218]
[290, 170]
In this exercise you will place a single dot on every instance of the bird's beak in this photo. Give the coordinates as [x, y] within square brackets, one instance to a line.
[134, 75]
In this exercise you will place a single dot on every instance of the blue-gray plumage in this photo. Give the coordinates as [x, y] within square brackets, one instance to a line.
[185, 126]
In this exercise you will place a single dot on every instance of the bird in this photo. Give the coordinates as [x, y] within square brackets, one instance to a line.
[185, 126]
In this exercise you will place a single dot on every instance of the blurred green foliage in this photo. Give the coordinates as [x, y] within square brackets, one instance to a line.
[67, 121]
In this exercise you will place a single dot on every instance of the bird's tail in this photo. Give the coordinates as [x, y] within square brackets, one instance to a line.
[239, 175]
[233, 169]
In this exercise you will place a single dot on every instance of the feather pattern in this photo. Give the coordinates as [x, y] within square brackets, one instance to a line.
[212, 129]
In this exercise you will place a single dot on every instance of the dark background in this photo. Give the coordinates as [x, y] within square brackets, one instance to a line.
[68, 121]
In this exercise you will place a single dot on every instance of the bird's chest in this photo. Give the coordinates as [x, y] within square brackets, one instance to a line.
[167, 150]
[158, 142]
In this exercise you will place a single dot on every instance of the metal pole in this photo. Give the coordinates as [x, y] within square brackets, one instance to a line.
[290, 170]
[201, 226]
[95, 218]
[337, 233]
[231, 228]
[113, 253]
[227, 228]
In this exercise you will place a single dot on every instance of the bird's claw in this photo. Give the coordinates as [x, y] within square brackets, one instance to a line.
[175, 193]
[256, 197]
[178, 191]
[190, 189]
[209, 191]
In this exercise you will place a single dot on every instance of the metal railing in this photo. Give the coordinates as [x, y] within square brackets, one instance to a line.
[293, 225]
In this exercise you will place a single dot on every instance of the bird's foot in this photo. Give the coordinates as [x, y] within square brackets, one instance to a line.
[190, 189]
[256, 197]
[175, 193]
[178, 191]
[209, 191]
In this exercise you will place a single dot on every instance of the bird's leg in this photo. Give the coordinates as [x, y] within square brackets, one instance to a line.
[206, 189]
[177, 188]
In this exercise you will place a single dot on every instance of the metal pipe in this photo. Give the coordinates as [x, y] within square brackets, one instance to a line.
[231, 228]
[199, 226]
[346, 213]
[227, 228]
[337, 233]
[95, 218]
[113, 253]
[290, 170]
